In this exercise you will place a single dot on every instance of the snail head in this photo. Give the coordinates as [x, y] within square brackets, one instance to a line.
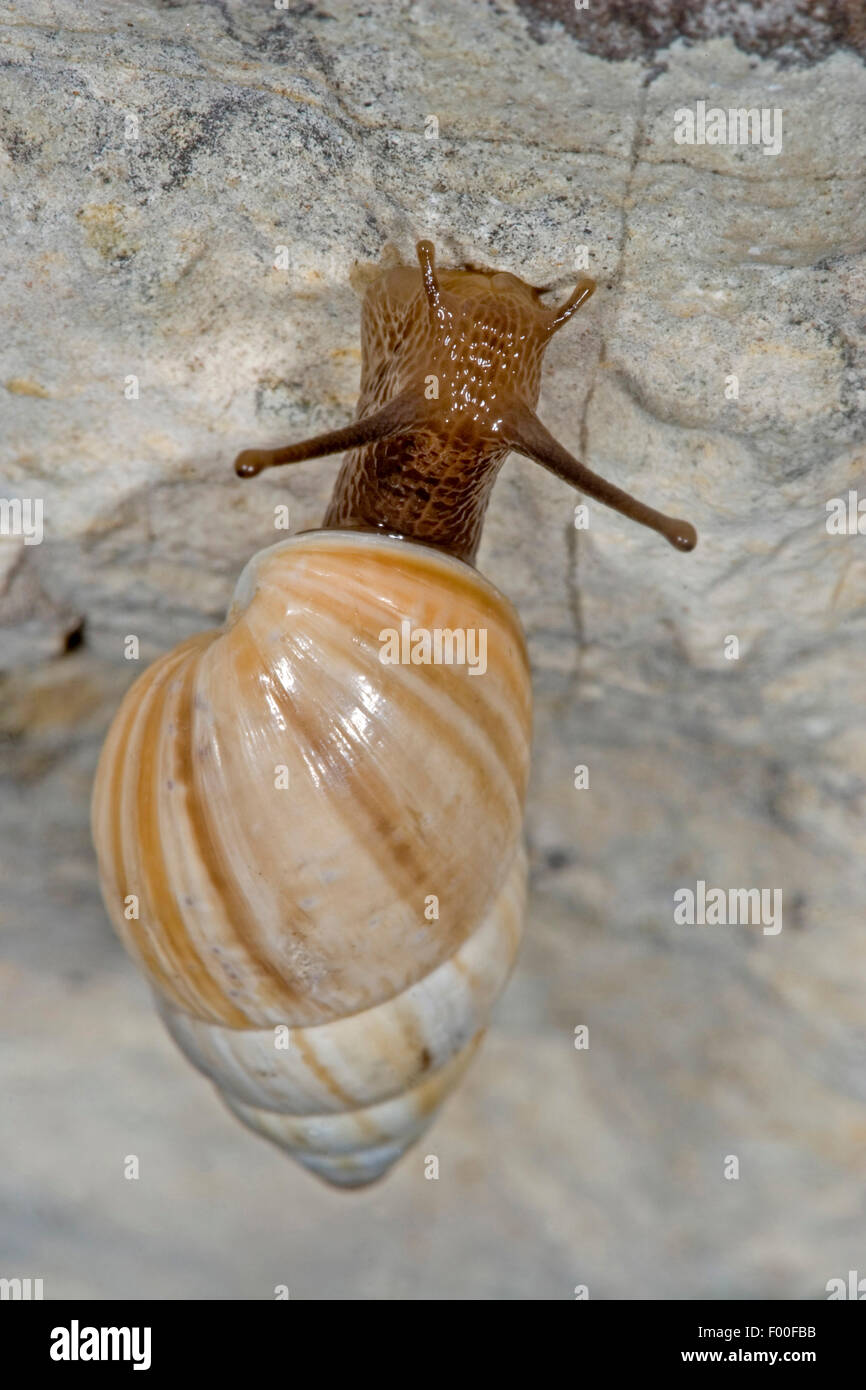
[472, 344]
[450, 381]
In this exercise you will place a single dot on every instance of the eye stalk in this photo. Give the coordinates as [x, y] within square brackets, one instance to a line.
[579, 296]
[394, 418]
[526, 435]
[427, 261]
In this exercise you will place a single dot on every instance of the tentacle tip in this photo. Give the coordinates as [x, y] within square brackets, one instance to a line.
[425, 251]
[582, 291]
[682, 535]
[249, 463]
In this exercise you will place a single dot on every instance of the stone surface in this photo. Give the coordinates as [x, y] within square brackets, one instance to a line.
[153, 157]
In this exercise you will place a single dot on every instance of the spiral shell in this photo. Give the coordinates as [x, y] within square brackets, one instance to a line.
[275, 813]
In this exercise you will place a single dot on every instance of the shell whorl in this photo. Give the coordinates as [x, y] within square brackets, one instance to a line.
[346, 1099]
[303, 904]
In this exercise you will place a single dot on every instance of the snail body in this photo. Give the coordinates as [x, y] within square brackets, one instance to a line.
[314, 851]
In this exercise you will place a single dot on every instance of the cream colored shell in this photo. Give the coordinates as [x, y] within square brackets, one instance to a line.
[274, 812]
[347, 1098]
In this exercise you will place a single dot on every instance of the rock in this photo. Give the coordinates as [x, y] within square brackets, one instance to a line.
[154, 160]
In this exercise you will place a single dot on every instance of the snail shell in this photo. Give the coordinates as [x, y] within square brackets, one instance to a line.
[262, 904]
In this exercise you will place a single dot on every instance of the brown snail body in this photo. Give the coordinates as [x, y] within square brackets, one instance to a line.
[323, 850]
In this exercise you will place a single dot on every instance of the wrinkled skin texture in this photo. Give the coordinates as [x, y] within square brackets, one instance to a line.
[480, 353]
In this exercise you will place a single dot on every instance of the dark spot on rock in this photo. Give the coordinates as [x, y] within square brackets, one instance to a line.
[74, 638]
[20, 148]
[795, 914]
[190, 132]
[557, 859]
[794, 32]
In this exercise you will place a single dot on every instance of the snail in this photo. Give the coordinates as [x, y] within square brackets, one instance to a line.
[314, 853]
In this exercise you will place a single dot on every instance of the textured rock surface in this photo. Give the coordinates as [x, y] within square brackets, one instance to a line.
[152, 160]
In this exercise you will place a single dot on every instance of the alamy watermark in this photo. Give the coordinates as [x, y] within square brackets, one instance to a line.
[77, 1343]
[437, 646]
[21, 1289]
[713, 125]
[22, 516]
[854, 1287]
[720, 907]
[846, 518]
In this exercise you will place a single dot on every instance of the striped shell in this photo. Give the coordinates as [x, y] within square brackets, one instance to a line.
[316, 857]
